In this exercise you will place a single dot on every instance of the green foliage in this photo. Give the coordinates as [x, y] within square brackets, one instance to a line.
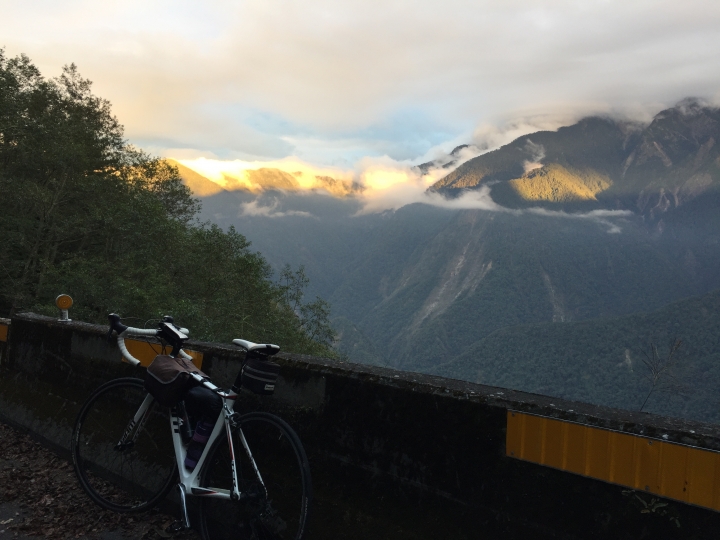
[660, 369]
[84, 213]
[603, 360]
[313, 317]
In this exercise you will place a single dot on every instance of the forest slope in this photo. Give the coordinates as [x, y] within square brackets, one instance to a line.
[601, 360]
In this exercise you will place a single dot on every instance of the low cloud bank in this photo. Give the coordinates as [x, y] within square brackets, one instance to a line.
[255, 209]
[480, 200]
[384, 184]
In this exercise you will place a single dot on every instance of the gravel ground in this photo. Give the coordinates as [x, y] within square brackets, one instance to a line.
[40, 497]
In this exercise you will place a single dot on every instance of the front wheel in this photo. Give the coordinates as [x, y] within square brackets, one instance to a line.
[275, 493]
[124, 460]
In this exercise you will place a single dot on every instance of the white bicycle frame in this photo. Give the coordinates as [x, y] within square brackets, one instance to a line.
[189, 480]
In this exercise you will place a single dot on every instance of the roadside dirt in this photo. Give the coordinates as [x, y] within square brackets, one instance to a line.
[40, 497]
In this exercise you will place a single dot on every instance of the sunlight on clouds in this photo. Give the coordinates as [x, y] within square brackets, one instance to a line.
[377, 179]
[379, 183]
[327, 70]
[289, 174]
[220, 171]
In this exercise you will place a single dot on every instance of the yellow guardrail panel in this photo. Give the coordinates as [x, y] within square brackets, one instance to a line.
[574, 458]
[3, 332]
[146, 352]
[622, 469]
[701, 479]
[554, 444]
[674, 464]
[684, 473]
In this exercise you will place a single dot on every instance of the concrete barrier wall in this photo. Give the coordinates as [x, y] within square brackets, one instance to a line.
[403, 455]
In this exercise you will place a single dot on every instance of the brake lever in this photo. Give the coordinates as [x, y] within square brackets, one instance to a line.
[115, 324]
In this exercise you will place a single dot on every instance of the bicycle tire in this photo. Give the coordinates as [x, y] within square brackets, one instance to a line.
[280, 513]
[132, 479]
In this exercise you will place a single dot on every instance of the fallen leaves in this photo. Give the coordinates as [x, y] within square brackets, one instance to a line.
[45, 485]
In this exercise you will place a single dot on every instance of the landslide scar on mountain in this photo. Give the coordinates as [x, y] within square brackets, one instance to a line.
[461, 274]
[556, 299]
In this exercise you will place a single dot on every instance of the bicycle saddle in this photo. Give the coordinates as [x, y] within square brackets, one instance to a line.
[265, 348]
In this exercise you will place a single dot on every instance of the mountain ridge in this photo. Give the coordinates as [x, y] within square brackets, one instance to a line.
[647, 170]
[265, 179]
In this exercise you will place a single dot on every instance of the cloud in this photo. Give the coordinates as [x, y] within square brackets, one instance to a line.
[390, 185]
[254, 209]
[599, 216]
[265, 79]
[481, 200]
[386, 185]
[537, 154]
[488, 136]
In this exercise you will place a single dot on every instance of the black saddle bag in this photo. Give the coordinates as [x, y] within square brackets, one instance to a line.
[168, 378]
[258, 375]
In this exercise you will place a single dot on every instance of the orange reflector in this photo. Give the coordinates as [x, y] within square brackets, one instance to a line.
[64, 301]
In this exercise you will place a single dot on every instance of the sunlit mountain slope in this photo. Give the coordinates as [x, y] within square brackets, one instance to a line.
[648, 170]
[198, 184]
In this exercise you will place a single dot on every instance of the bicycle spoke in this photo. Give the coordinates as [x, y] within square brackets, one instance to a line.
[123, 477]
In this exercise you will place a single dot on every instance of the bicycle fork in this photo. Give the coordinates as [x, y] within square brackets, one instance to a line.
[137, 423]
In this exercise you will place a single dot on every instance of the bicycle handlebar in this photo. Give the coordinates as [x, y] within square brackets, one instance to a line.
[126, 331]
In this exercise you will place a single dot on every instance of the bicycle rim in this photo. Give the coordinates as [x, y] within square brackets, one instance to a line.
[137, 476]
[279, 511]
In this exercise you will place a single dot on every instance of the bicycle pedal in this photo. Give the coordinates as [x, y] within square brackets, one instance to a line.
[175, 527]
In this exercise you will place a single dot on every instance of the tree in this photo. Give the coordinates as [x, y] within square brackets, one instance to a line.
[59, 150]
[87, 214]
[313, 317]
[659, 368]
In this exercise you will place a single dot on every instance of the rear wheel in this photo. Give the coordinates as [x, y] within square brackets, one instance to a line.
[132, 476]
[273, 505]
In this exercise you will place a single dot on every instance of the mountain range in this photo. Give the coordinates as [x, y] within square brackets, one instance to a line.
[264, 179]
[596, 232]
[603, 163]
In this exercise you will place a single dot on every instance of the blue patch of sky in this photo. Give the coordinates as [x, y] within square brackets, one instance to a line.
[411, 132]
[273, 124]
[406, 134]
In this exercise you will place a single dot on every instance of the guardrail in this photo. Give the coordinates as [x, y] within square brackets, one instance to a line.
[405, 455]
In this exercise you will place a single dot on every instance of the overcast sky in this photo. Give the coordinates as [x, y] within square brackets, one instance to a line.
[334, 82]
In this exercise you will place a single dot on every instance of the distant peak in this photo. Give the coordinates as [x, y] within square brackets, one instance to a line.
[692, 106]
[198, 184]
[457, 149]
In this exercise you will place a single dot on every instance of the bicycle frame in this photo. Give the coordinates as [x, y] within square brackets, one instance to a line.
[189, 480]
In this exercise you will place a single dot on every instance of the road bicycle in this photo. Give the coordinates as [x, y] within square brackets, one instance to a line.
[253, 484]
